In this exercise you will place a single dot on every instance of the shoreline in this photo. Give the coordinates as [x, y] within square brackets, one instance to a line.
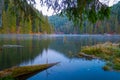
[110, 52]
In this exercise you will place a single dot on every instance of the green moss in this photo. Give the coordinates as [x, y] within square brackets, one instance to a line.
[17, 72]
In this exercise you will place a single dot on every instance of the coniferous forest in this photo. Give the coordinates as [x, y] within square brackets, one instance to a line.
[15, 20]
[111, 25]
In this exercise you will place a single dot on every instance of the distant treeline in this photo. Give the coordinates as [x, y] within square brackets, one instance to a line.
[110, 26]
[14, 20]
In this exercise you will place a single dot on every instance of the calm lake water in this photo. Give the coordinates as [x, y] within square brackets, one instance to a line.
[41, 49]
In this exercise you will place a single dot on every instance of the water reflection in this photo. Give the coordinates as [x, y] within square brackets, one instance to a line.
[77, 70]
[14, 56]
[71, 45]
[47, 56]
[39, 49]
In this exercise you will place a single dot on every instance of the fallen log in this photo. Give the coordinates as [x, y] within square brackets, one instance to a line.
[25, 71]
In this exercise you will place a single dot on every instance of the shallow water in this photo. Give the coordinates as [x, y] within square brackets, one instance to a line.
[40, 49]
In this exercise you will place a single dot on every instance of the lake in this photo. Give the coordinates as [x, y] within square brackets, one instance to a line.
[23, 50]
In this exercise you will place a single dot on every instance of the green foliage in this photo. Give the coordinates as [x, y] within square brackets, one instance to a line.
[80, 10]
[21, 17]
[62, 24]
[75, 10]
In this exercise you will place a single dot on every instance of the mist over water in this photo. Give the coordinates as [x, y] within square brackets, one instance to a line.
[41, 49]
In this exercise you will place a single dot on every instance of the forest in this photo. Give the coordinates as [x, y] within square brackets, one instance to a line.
[15, 20]
[62, 25]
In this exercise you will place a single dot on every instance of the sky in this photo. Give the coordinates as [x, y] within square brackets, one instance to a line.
[44, 9]
[50, 12]
[109, 2]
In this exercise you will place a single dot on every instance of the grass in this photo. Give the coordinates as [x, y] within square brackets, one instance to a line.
[108, 51]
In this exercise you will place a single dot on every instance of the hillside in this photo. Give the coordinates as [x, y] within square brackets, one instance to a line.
[110, 26]
[62, 25]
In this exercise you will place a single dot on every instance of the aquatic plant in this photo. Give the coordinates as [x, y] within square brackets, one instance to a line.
[108, 51]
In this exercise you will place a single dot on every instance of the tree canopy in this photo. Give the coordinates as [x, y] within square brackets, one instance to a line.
[76, 10]
[62, 25]
[19, 16]
[80, 10]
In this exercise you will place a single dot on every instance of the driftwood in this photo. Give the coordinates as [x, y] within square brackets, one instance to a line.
[25, 72]
[10, 46]
[87, 56]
